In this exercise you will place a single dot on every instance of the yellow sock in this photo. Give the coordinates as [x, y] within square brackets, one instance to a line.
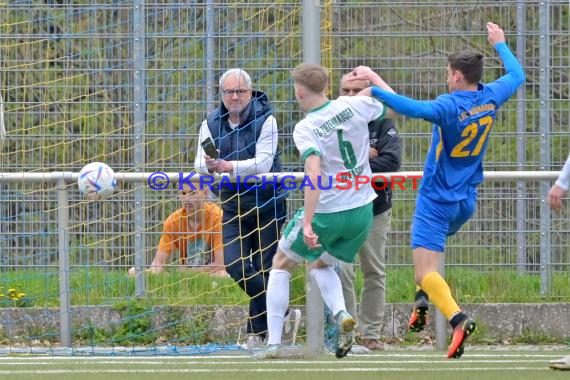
[440, 294]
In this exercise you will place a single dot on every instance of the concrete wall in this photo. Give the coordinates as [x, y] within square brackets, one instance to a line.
[496, 321]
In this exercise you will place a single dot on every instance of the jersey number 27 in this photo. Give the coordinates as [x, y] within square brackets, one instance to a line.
[470, 133]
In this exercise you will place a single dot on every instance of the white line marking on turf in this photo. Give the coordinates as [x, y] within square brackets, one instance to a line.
[259, 362]
[261, 370]
[248, 357]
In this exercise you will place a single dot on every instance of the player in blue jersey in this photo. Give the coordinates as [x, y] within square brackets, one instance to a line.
[453, 169]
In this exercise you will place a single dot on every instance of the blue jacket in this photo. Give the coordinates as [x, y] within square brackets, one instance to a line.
[239, 144]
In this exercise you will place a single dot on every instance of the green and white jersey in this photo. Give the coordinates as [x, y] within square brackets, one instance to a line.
[338, 133]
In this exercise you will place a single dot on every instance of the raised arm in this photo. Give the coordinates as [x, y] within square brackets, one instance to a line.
[407, 106]
[505, 86]
[365, 73]
[395, 103]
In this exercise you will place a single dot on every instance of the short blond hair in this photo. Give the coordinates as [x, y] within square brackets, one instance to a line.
[314, 77]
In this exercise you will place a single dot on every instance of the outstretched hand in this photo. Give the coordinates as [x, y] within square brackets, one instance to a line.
[496, 34]
[363, 73]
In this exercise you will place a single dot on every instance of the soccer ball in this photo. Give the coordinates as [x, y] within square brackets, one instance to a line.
[97, 181]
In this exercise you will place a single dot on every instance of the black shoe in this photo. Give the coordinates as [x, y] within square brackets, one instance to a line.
[419, 318]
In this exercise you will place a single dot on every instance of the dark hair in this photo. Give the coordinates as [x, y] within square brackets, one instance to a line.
[470, 63]
[314, 77]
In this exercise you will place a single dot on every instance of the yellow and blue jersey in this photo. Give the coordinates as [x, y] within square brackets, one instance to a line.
[462, 121]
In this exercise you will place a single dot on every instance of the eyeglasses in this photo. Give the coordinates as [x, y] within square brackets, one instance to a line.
[239, 92]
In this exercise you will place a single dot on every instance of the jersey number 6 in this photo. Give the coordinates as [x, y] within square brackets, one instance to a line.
[346, 151]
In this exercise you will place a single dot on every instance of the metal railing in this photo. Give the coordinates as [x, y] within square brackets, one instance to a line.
[315, 319]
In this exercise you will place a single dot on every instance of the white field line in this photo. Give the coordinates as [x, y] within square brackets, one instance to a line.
[263, 370]
[248, 357]
[262, 362]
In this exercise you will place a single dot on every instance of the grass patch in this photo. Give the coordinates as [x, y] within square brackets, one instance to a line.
[96, 286]
[536, 337]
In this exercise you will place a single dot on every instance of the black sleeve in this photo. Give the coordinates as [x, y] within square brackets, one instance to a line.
[388, 147]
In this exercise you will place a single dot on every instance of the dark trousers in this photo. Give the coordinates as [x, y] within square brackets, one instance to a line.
[250, 242]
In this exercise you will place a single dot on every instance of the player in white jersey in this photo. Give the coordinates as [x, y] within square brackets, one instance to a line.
[333, 225]
[337, 130]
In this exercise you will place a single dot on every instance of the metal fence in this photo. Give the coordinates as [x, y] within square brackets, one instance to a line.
[128, 82]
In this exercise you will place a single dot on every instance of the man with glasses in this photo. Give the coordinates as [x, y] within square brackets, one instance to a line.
[244, 133]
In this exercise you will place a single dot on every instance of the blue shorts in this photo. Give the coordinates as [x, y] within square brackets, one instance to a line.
[434, 221]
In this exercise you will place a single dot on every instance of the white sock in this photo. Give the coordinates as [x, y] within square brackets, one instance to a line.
[277, 303]
[331, 288]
